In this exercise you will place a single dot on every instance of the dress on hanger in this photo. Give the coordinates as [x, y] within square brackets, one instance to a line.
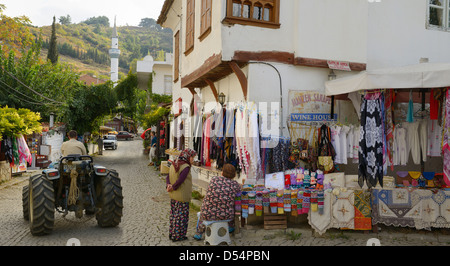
[412, 136]
[434, 139]
[335, 141]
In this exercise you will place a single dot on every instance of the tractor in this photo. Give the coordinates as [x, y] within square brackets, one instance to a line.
[75, 185]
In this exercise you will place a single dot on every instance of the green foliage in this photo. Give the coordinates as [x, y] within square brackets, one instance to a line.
[91, 42]
[53, 49]
[100, 20]
[52, 81]
[15, 122]
[156, 112]
[89, 105]
[65, 20]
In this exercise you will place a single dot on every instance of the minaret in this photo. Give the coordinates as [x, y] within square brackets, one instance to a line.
[114, 53]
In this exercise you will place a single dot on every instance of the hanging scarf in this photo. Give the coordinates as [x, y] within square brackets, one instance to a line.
[446, 144]
[371, 142]
[183, 158]
[24, 151]
[389, 127]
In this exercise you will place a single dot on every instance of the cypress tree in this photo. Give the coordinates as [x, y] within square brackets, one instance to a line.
[53, 50]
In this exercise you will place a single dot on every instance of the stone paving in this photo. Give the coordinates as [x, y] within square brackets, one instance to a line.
[146, 217]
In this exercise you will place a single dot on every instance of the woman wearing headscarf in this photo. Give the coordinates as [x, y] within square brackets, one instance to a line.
[179, 186]
[218, 204]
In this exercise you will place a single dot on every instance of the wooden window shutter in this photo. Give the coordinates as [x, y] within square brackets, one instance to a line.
[190, 25]
[205, 25]
[176, 72]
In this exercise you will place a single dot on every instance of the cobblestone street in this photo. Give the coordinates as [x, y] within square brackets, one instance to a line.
[145, 220]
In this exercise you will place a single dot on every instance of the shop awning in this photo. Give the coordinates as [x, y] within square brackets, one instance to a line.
[424, 75]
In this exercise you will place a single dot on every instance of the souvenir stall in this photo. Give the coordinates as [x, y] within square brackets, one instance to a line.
[16, 155]
[282, 176]
[403, 154]
[228, 134]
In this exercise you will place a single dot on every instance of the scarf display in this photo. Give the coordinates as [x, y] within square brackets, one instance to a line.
[446, 144]
[371, 142]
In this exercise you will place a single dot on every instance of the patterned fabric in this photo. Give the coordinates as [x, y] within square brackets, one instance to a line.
[343, 211]
[446, 144]
[371, 143]
[435, 209]
[397, 207]
[321, 222]
[348, 210]
[363, 210]
[179, 218]
[183, 158]
[218, 203]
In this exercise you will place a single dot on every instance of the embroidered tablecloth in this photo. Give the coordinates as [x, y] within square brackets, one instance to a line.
[419, 208]
[348, 209]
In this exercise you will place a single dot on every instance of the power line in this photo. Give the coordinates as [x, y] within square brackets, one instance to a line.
[37, 103]
[4, 83]
[37, 93]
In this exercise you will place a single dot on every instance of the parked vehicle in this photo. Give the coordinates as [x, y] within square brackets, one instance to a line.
[76, 185]
[110, 141]
[123, 135]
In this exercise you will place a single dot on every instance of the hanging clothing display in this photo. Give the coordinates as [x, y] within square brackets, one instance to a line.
[389, 125]
[446, 144]
[371, 142]
[434, 139]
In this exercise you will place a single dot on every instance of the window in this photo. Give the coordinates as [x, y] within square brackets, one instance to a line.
[190, 26]
[439, 14]
[261, 13]
[205, 23]
[176, 67]
[167, 84]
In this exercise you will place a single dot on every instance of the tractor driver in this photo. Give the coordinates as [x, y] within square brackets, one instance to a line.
[73, 146]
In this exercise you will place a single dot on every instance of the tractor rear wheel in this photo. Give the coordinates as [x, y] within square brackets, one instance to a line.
[111, 200]
[41, 205]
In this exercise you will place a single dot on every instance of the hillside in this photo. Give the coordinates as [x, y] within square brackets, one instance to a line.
[86, 46]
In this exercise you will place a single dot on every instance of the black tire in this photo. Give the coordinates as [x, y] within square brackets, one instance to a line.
[26, 203]
[41, 205]
[111, 200]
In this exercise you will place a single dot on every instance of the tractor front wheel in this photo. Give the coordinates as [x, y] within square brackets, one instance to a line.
[111, 200]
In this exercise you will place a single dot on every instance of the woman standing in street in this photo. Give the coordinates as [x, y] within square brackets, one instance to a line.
[218, 204]
[179, 186]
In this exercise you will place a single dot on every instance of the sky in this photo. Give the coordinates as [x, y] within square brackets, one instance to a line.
[41, 12]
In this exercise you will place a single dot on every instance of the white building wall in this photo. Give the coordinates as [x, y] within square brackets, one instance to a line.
[330, 29]
[160, 70]
[206, 48]
[399, 35]
[250, 38]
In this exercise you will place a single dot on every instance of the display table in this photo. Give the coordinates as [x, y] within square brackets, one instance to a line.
[417, 208]
[347, 209]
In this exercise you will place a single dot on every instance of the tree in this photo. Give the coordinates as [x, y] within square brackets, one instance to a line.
[88, 106]
[53, 49]
[101, 20]
[65, 20]
[14, 34]
[149, 23]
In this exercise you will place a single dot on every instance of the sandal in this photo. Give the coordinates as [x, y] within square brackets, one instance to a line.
[198, 237]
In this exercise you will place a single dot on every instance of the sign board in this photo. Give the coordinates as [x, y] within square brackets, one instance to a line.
[310, 106]
[339, 65]
[312, 117]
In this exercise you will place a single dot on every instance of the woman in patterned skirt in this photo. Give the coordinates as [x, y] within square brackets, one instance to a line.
[218, 204]
[179, 186]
